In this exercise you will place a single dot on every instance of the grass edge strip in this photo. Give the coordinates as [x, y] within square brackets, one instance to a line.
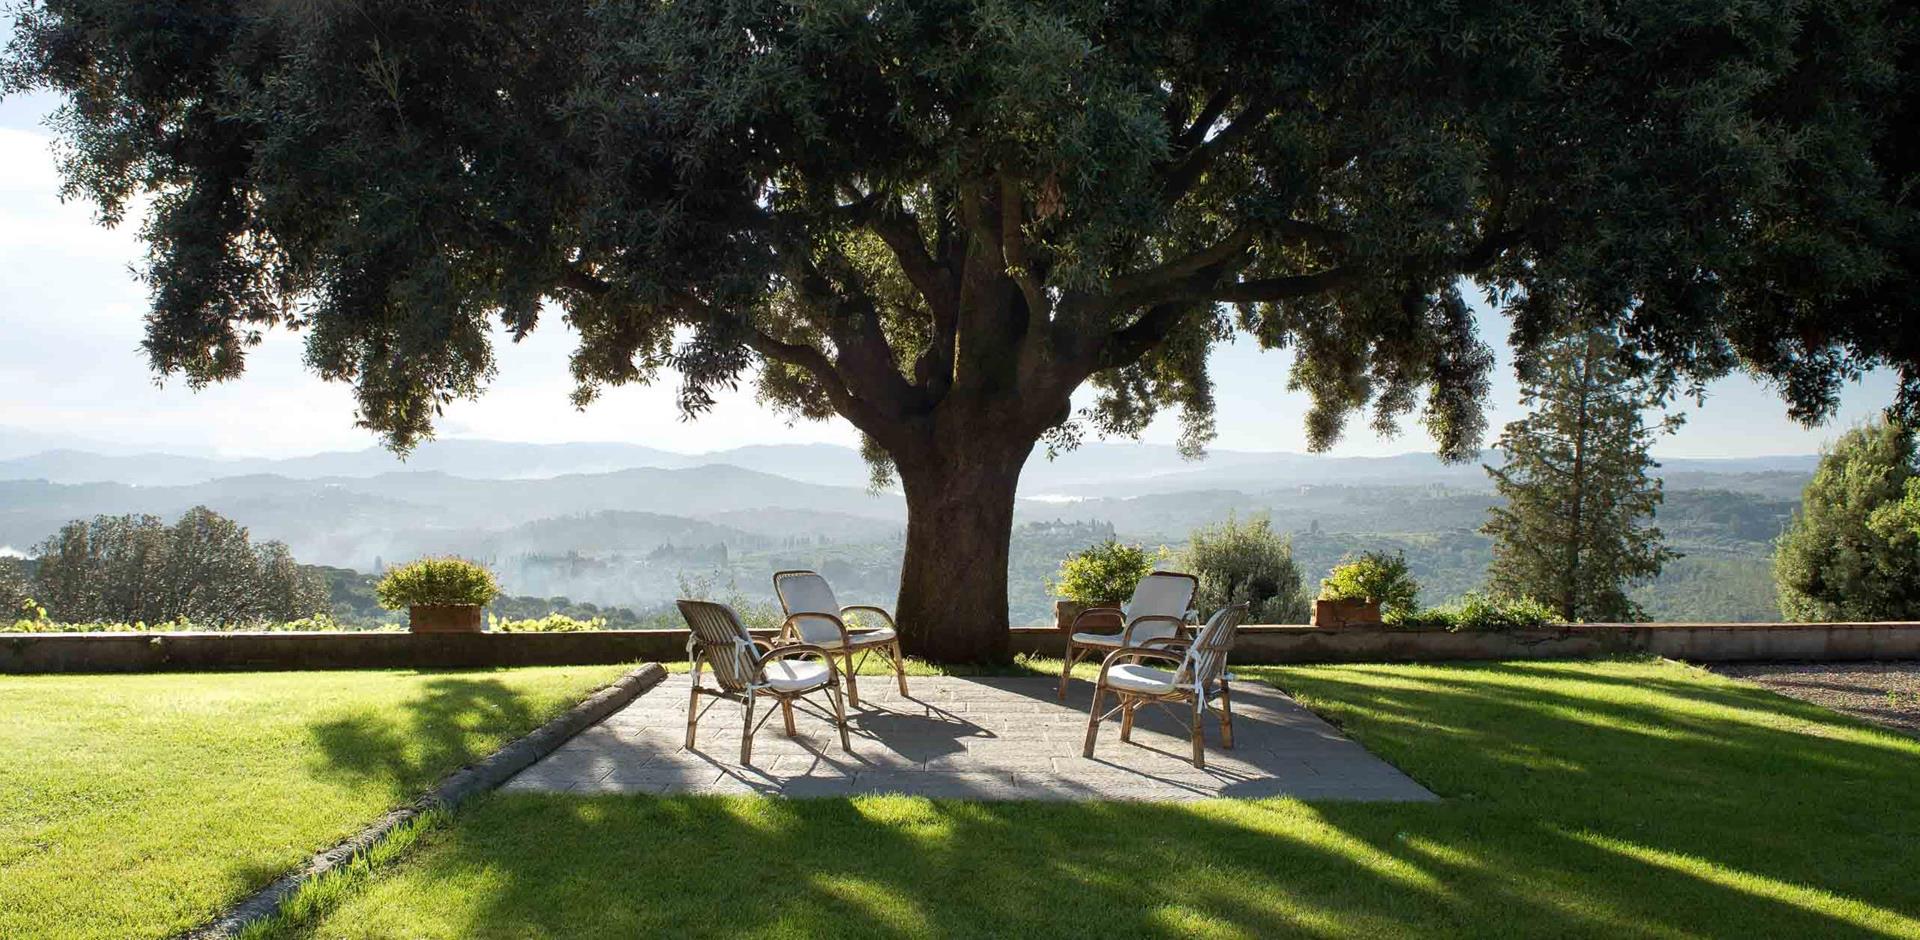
[456, 788]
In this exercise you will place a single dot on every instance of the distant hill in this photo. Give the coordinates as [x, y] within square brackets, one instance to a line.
[1097, 469]
[349, 522]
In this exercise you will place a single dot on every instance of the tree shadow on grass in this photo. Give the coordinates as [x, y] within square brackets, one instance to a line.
[405, 748]
[1590, 814]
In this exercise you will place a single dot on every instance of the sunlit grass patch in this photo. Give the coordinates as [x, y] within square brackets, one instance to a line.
[1582, 799]
[139, 806]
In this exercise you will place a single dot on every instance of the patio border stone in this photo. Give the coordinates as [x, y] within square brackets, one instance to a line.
[455, 789]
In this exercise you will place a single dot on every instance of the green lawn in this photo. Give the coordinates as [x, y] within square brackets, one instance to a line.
[138, 806]
[1596, 799]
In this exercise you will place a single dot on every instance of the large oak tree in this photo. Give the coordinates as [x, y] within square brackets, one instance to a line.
[938, 218]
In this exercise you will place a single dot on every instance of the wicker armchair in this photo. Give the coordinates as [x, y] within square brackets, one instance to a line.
[745, 668]
[1197, 681]
[815, 617]
[1159, 608]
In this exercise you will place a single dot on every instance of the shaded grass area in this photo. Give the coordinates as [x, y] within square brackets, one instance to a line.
[1586, 799]
[138, 806]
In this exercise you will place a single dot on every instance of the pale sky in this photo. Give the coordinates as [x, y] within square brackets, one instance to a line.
[71, 368]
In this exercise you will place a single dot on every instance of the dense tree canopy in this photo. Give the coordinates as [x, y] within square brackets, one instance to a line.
[937, 218]
[1852, 551]
[204, 569]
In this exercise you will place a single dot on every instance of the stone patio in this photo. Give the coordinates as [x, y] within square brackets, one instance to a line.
[995, 738]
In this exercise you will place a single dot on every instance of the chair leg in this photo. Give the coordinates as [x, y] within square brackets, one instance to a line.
[839, 717]
[1093, 721]
[1127, 705]
[900, 667]
[1066, 668]
[853, 683]
[693, 711]
[746, 732]
[786, 714]
[1226, 715]
[1198, 729]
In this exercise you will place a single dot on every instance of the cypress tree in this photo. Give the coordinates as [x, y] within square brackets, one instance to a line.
[1575, 531]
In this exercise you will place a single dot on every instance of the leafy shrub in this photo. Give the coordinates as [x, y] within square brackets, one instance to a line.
[1374, 576]
[1475, 612]
[551, 623]
[436, 581]
[44, 625]
[1247, 563]
[1104, 573]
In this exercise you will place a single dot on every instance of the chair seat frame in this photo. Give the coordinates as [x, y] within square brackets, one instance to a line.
[762, 686]
[1199, 699]
[1077, 650]
[850, 640]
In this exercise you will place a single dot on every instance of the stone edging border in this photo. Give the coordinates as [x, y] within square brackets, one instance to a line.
[456, 788]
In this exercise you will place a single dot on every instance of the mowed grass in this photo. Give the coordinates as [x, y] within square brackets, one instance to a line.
[1606, 799]
[139, 806]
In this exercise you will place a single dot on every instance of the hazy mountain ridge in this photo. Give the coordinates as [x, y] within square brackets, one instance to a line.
[630, 535]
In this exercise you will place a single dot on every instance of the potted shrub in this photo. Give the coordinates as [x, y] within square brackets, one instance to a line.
[441, 595]
[1366, 591]
[1103, 575]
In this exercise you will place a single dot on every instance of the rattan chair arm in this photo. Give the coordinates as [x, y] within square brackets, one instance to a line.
[882, 611]
[1126, 636]
[786, 626]
[1170, 642]
[1135, 652]
[791, 650]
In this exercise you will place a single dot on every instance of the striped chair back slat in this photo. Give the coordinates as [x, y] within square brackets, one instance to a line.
[725, 645]
[805, 592]
[1206, 659]
[1164, 594]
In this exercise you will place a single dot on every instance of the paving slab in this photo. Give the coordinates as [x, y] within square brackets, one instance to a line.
[990, 739]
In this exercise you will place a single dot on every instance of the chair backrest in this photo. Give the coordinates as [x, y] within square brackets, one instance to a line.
[724, 643]
[1164, 594]
[806, 592]
[1206, 659]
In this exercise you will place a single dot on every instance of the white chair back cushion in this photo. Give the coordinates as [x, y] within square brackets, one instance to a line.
[1162, 594]
[804, 592]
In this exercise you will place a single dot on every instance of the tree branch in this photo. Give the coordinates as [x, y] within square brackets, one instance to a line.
[1284, 288]
[1184, 172]
[1196, 133]
[1175, 269]
[900, 230]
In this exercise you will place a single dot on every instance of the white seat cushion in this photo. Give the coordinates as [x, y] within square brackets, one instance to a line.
[793, 675]
[1134, 677]
[1098, 639]
[859, 640]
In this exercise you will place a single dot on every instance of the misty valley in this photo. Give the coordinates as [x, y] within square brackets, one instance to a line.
[643, 526]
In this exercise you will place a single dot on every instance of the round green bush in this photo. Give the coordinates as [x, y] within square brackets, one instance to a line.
[436, 581]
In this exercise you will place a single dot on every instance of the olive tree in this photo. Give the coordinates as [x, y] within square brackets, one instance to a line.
[937, 219]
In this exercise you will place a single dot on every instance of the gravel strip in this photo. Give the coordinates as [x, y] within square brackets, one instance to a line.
[1883, 693]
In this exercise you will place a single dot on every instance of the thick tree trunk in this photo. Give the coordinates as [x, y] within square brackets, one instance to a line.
[953, 578]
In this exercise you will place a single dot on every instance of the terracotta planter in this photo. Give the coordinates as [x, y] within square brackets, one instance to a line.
[444, 618]
[1336, 615]
[1064, 613]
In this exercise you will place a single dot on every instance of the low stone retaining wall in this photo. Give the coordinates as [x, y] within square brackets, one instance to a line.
[1695, 642]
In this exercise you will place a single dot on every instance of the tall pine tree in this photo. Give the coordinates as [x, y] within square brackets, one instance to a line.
[1575, 532]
